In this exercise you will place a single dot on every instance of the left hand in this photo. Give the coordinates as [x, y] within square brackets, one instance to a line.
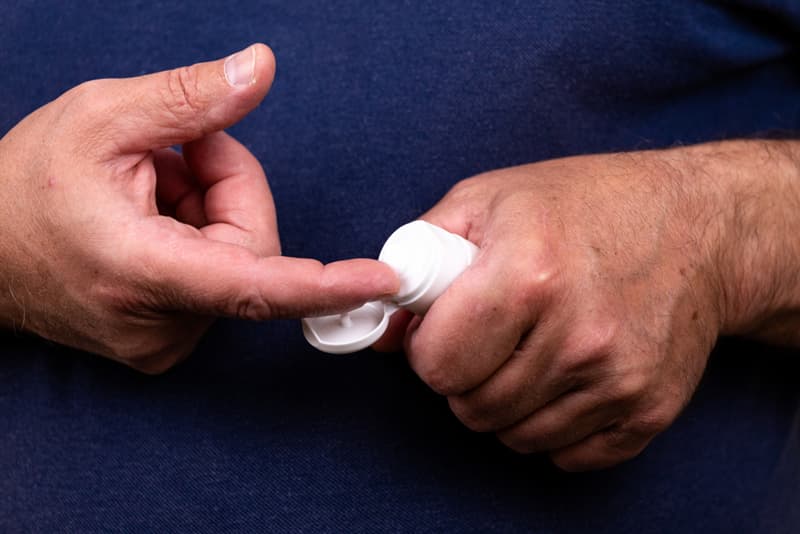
[585, 323]
[113, 243]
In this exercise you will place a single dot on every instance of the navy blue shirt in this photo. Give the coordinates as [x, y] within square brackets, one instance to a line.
[377, 109]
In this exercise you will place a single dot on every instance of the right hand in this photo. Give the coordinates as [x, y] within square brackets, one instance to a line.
[602, 283]
[114, 243]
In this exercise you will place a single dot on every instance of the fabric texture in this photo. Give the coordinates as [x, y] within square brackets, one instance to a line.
[377, 109]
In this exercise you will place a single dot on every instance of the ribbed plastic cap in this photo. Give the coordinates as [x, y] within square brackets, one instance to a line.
[414, 252]
[348, 332]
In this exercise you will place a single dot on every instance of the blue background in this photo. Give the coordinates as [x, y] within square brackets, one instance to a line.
[377, 109]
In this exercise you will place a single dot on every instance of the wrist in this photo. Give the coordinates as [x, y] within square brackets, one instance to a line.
[753, 206]
[9, 307]
[13, 291]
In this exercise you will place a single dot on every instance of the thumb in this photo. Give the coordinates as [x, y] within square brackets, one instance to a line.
[180, 105]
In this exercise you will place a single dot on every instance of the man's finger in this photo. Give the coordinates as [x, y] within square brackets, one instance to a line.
[469, 332]
[237, 201]
[563, 422]
[600, 451]
[207, 277]
[177, 193]
[473, 328]
[522, 385]
[175, 106]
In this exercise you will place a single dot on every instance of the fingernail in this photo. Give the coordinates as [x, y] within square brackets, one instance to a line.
[240, 68]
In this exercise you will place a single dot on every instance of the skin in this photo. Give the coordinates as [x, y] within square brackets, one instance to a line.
[116, 244]
[582, 329]
[602, 284]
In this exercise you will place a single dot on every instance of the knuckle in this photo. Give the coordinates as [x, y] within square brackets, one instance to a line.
[599, 338]
[439, 379]
[87, 94]
[590, 347]
[133, 349]
[153, 368]
[621, 444]
[436, 372]
[87, 110]
[631, 386]
[577, 462]
[471, 415]
[253, 306]
[463, 188]
[651, 423]
[89, 103]
[607, 449]
[618, 455]
[469, 193]
[535, 280]
[568, 463]
[431, 366]
[182, 96]
[588, 459]
[517, 442]
[153, 357]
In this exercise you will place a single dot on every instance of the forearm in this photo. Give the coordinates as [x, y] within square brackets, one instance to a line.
[758, 184]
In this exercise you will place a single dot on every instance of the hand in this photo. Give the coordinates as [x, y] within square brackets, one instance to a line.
[585, 323]
[116, 244]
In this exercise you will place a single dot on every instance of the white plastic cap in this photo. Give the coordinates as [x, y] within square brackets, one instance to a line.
[426, 258]
[348, 332]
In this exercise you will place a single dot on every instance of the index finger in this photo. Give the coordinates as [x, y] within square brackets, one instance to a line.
[207, 277]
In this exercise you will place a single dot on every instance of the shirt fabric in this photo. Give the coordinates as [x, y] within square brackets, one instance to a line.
[377, 109]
